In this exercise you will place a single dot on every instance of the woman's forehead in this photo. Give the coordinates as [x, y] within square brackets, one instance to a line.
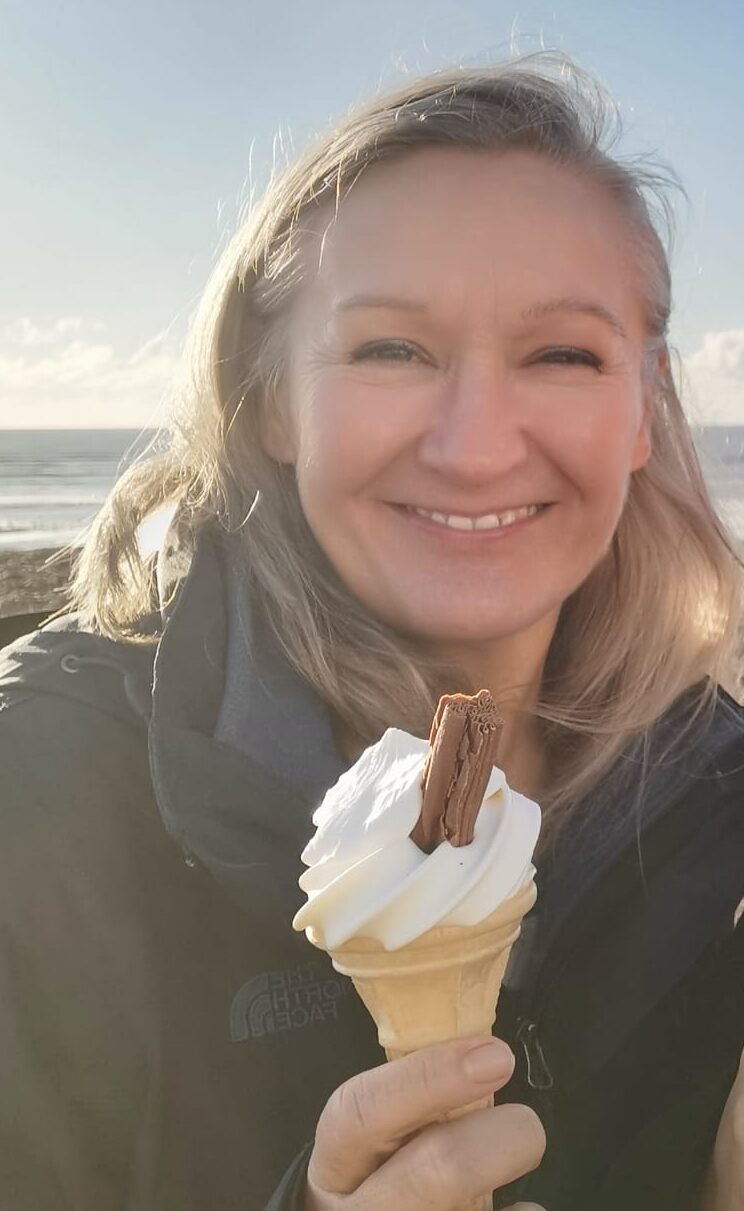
[469, 227]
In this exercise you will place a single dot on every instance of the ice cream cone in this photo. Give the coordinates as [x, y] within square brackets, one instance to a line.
[442, 986]
[413, 836]
[445, 985]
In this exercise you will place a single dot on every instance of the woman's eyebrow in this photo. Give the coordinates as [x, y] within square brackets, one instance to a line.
[378, 300]
[535, 311]
[599, 310]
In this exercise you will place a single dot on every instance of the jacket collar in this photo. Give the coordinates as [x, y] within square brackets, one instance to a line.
[223, 799]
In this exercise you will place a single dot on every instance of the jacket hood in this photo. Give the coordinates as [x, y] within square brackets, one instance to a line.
[241, 749]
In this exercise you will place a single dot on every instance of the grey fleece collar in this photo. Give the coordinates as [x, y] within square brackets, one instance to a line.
[240, 754]
[267, 711]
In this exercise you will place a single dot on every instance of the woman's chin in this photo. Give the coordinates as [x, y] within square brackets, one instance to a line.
[449, 628]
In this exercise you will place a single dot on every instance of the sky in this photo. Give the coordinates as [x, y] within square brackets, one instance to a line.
[132, 134]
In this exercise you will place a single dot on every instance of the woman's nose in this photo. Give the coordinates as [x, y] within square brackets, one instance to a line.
[477, 431]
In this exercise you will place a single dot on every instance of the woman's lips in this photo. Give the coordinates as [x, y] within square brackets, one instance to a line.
[459, 528]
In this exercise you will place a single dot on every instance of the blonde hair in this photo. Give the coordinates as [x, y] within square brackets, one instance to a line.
[657, 615]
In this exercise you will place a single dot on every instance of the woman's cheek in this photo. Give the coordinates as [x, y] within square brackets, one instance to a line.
[348, 442]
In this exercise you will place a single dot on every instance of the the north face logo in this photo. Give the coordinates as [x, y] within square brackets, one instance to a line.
[285, 1000]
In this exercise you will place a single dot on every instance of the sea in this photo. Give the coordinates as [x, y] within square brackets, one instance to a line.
[54, 481]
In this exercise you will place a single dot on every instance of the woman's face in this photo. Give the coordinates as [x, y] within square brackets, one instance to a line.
[464, 400]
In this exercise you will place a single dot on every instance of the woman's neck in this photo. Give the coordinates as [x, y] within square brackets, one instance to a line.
[523, 758]
[512, 669]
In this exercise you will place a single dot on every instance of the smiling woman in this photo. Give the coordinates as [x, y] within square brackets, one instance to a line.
[440, 449]
[546, 308]
[431, 443]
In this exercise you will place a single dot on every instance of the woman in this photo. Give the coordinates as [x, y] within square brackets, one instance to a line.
[433, 443]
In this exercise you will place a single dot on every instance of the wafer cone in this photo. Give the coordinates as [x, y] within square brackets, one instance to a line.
[443, 986]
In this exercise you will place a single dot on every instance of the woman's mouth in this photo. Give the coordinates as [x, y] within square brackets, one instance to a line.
[485, 523]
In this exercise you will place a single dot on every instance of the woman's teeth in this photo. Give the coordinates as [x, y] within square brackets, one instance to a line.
[490, 521]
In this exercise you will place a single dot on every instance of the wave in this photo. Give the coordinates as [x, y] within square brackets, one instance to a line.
[32, 540]
[7, 526]
[54, 522]
[47, 503]
[101, 471]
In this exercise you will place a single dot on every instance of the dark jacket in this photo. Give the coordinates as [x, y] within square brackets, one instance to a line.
[168, 1041]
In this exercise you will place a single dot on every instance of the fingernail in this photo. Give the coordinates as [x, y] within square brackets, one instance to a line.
[490, 1062]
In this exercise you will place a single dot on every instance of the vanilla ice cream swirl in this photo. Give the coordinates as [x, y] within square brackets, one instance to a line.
[365, 875]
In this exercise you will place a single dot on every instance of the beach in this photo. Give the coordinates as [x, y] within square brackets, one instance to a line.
[30, 588]
[28, 585]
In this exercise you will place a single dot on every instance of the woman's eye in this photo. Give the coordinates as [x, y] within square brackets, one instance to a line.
[403, 352]
[569, 356]
[385, 351]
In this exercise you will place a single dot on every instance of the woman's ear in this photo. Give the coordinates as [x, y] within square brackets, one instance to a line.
[642, 447]
[276, 429]
[653, 378]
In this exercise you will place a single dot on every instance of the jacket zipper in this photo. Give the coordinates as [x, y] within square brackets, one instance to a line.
[539, 1076]
[529, 1024]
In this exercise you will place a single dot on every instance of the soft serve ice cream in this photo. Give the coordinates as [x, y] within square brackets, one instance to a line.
[404, 845]
[419, 877]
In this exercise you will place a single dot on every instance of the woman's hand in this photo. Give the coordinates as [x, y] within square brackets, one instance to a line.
[378, 1144]
[725, 1188]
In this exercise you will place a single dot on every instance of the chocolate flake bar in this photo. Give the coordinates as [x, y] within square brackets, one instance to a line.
[462, 752]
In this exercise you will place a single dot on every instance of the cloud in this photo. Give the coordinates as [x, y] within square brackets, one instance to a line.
[155, 345]
[715, 379]
[46, 379]
[24, 332]
[721, 353]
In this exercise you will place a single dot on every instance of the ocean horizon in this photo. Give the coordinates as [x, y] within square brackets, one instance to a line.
[54, 481]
